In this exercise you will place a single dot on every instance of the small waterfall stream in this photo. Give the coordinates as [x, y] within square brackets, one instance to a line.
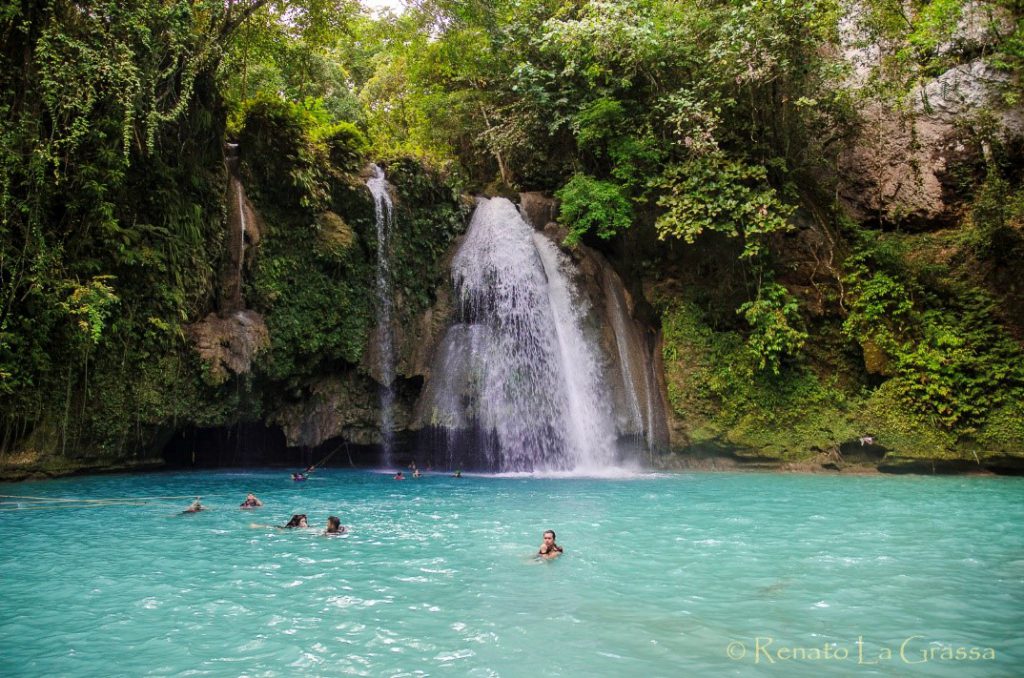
[240, 192]
[517, 366]
[378, 186]
[243, 231]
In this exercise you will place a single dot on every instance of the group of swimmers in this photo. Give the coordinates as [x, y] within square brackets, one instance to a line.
[549, 548]
[416, 474]
[334, 526]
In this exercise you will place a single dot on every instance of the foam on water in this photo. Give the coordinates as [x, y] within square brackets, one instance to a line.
[661, 573]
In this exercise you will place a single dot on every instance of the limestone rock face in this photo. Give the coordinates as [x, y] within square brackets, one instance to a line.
[898, 169]
[228, 344]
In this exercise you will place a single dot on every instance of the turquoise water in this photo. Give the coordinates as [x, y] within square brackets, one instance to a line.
[663, 575]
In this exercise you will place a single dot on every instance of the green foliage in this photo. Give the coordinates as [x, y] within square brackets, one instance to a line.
[598, 123]
[997, 219]
[672, 118]
[592, 205]
[904, 431]
[347, 147]
[1003, 430]
[91, 305]
[310, 313]
[279, 139]
[429, 216]
[951, 362]
[714, 193]
[774, 320]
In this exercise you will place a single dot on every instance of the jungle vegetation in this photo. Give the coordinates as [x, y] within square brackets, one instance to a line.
[692, 141]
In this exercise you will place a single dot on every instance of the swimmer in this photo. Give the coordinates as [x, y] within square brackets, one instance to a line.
[195, 507]
[549, 549]
[298, 476]
[297, 520]
[335, 527]
[251, 501]
[399, 476]
[457, 474]
[415, 473]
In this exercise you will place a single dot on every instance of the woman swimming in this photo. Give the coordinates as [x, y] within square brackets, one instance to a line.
[297, 520]
[549, 549]
[195, 507]
[251, 502]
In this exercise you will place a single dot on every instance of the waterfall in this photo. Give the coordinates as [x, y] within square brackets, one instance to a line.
[238, 223]
[378, 186]
[627, 345]
[517, 365]
[636, 361]
[240, 192]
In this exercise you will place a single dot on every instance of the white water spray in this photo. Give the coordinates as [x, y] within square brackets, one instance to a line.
[517, 365]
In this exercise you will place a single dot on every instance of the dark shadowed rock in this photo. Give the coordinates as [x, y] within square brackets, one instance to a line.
[539, 209]
[346, 406]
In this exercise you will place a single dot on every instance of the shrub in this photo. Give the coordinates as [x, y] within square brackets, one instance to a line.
[589, 204]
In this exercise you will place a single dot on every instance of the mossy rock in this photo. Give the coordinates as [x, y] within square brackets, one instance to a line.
[335, 235]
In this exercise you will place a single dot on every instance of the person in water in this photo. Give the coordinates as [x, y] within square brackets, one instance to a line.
[298, 476]
[195, 507]
[549, 549]
[297, 520]
[415, 473]
[457, 474]
[399, 476]
[251, 501]
[334, 526]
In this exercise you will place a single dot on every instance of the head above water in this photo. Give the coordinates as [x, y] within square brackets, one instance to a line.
[298, 520]
[333, 524]
[547, 533]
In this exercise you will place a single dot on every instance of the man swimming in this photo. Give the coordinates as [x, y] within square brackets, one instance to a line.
[549, 549]
[334, 526]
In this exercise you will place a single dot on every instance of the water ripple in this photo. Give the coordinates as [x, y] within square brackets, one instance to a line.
[438, 576]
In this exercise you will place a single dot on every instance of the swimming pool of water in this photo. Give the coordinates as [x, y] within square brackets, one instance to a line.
[663, 575]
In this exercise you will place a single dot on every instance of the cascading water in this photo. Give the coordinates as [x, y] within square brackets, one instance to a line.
[240, 192]
[378, 186]
[517, 366]
[626, 345]
[637, 366]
